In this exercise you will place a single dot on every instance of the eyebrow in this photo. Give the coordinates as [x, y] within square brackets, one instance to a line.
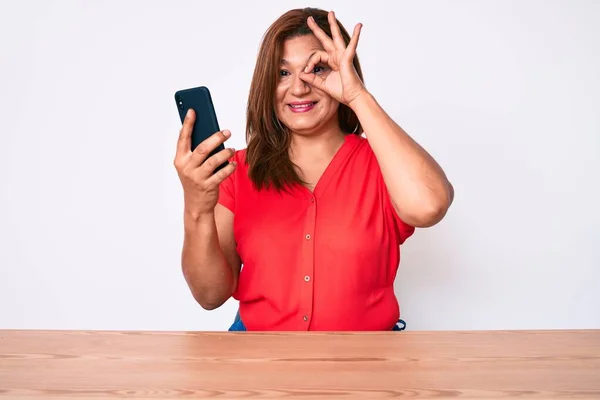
[286, 62]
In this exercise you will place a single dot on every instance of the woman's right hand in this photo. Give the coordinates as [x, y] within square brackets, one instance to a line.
[200, 185]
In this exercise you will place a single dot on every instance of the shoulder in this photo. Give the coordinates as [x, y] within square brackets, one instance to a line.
[364, 143]
[239, 156]
[360, 142]
[241, 170]
[362, 152]
[240, 159]
[231, 187]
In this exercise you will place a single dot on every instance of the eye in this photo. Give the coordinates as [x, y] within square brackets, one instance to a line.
[283, 73]
[318, 69]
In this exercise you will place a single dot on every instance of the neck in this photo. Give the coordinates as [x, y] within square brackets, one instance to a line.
[322, 145]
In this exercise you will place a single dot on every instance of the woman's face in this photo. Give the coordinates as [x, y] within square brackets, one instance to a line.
[301, 107]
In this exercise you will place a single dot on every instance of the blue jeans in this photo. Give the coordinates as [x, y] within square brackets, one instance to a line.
[238, 325]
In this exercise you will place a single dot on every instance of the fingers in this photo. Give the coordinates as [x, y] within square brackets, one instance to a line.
[202, 151]
[351, 50]
[185, 133]
[338, 40]
[314, 80]
[220, 176]
[320, 57]
[209, 166]
[325, 40]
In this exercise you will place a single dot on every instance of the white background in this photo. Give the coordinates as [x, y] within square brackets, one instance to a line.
[504, 94]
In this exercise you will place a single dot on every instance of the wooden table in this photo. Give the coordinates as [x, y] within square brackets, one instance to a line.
[424, 365]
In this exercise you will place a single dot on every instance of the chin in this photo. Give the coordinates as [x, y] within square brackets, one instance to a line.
[303, 126]
[306, 124]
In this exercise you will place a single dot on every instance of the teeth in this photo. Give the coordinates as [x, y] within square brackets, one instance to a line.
[302, 105]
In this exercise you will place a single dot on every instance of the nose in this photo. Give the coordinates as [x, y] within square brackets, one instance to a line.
[299, 88]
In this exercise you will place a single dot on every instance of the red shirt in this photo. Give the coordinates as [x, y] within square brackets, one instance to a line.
[321, 260]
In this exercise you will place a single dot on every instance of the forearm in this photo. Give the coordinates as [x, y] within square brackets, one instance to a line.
[418, 186]
[205, 267]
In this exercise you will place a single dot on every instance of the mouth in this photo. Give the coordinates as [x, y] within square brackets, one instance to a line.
[302, 106]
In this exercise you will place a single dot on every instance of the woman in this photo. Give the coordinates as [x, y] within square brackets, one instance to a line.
[315, 212]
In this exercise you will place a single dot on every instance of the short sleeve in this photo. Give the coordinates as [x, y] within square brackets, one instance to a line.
[403, 229]
[227, 190]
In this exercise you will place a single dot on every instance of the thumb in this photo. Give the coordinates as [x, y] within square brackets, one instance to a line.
[313, 80]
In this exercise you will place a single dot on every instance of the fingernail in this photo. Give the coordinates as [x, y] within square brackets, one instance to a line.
[226, 133]
[189, 112]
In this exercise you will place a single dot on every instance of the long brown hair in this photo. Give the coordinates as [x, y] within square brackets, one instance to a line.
[268, 139]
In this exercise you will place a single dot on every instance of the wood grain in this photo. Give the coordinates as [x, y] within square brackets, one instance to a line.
[422, 365]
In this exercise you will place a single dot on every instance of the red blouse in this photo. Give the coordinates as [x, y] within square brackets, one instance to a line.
[321, 260]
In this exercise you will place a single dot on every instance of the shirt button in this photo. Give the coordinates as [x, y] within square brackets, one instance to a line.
[307, 278]
[305, 318]
[307, 236]
[312, 199]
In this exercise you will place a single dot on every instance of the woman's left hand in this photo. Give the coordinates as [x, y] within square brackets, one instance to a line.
[342, 81]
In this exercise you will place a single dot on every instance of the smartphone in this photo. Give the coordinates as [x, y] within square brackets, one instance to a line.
[206, 123]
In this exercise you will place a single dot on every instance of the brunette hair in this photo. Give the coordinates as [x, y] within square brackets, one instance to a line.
[268, 139]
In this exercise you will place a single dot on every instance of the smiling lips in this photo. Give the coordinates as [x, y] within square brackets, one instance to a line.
[302, 106]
